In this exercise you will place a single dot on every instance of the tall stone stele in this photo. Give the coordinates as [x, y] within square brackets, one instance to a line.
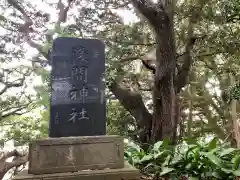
[78, 147]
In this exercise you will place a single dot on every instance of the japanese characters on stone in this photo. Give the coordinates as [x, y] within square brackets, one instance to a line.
[77, 92]
[79, 73]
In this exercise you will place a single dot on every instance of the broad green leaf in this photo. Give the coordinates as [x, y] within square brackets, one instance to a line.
[166, 170]
[213, 144]
[162, 154]
[134, 146]
[167, 160]
[236, 161]
[147, 158]
[216, 175]
[158, 155]
[188, 166]
[157, 145]
[236, 173]
[214, 159]
[227, 151]
[190, 149]
[227, 171]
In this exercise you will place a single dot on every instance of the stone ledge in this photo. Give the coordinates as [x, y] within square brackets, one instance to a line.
[71, 154]
[126, 173]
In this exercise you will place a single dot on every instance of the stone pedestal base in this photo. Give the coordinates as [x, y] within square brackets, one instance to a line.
[72, 154]
[126, 173]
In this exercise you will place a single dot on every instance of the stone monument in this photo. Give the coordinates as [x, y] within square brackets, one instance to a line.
[78, 147]
[78, 106]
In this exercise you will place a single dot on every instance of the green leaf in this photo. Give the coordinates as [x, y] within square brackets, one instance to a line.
[227, 171]
[216, 175]
[167, 160]
[188, 166]
[236, 173]
[146, 158]
[214, 159]
[157, 145]
[213, 144]
[158, 155]
[162, 154]
[166, 170]
[226, 152]
[134, 146]
[236, 161]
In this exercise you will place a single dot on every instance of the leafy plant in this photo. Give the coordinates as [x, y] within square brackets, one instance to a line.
[189, 160]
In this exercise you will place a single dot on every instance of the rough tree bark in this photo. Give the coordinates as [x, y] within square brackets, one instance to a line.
[160, 18]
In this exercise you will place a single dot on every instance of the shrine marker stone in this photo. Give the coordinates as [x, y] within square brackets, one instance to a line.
[77, 105]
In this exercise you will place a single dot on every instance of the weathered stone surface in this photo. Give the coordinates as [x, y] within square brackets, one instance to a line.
[71, 154]
[77, 103]
[126, 173]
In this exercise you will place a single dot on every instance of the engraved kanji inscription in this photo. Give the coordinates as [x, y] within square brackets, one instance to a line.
[79, 53]
[83, 114]
[73, 93]
[74, 116]
[83, 94]
[77, 104]
[83, 74]
[79, 73]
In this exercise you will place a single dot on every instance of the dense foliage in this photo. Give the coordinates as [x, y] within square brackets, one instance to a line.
[189, 159]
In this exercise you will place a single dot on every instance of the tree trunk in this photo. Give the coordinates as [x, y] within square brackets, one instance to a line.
[163, 118]
[167, 80]
[164, 90]
[235, 121]
[190, 114]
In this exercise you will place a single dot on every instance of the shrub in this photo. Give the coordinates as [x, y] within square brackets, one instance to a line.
[188, 160]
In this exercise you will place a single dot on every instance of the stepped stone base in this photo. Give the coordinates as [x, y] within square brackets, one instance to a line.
[126, 173]
[71, 154]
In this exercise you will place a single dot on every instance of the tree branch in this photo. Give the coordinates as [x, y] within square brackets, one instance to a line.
[8, 85]
[62, 17]
[133, 103]
[26, 28]
[183, 73]
[152, 12]
[14, 112]
[18, 160]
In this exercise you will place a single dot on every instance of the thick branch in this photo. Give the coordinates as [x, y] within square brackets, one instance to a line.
[132, 102]
[9, 154]
[18, 160]
[183, 73]
[26, 27]
[62, 17]
[8, 85]
[28, 22]
[152, 12]
[14, 112]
